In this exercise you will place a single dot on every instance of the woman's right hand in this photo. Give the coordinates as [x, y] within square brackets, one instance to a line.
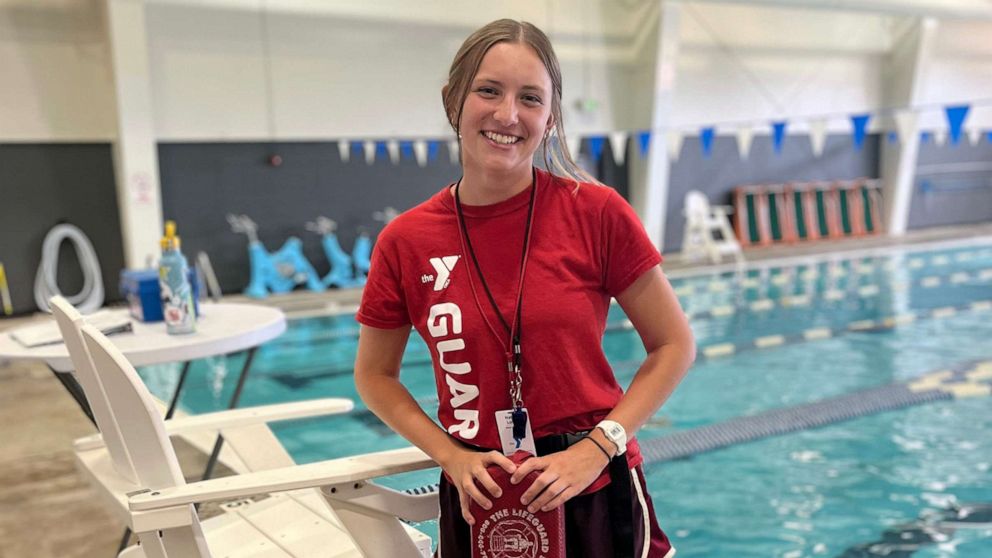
[466, 467]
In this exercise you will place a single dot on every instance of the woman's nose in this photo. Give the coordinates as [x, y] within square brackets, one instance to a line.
[506, 112]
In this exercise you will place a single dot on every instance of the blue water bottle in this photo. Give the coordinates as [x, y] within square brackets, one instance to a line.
[173, 279]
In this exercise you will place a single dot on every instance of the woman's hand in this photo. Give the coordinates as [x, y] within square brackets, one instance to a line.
[565, 474]
[466, 467]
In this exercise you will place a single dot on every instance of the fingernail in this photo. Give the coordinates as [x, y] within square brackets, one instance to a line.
[487, 506]
[532, 509]
[498, 494]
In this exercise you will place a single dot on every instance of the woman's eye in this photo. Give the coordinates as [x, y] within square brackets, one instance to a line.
[487, 91]
[533, 99]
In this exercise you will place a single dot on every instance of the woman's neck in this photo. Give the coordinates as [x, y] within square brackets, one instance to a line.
[488, 189]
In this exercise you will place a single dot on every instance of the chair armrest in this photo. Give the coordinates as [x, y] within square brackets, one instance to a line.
[353, 469]
[246, 416]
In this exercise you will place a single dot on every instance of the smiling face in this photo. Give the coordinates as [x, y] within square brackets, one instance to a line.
[506, 114]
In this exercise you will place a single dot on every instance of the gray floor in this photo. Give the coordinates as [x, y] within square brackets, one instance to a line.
[46, 508]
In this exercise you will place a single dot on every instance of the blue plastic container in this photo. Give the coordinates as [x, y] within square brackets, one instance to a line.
[139, 287]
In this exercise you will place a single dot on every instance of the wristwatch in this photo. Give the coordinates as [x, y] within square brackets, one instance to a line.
[615, 433]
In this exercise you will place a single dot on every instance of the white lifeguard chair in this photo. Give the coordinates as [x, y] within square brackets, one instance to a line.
[707, 230]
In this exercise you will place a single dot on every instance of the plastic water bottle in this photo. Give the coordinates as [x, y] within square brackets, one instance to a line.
[173, 279]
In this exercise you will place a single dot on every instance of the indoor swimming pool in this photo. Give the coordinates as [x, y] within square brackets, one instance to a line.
[914, 481]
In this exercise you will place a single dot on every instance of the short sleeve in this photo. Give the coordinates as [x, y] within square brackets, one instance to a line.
[383, 302]
[627, 251]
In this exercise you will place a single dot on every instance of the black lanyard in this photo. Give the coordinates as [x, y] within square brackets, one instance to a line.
[513, 352]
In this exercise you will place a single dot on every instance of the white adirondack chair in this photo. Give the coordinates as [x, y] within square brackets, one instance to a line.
[133, 456]
[707, 232]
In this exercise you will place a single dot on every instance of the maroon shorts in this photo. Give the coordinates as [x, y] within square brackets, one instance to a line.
[588, 526]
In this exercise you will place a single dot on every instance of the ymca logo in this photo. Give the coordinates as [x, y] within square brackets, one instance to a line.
[443, 267]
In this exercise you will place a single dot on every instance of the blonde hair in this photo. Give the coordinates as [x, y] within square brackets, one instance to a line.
[465, 66]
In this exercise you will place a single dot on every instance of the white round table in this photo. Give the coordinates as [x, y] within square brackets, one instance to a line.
[221, 328]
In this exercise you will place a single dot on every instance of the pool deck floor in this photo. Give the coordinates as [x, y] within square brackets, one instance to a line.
[47, 510]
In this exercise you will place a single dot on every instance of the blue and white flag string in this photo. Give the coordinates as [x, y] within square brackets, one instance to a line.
[905, 120]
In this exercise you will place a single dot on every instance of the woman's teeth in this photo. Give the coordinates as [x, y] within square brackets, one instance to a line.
[500, 138]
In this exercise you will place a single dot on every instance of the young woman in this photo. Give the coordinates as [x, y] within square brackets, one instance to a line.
[507, 275]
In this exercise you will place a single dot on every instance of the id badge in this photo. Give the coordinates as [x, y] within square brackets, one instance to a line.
[504, 423]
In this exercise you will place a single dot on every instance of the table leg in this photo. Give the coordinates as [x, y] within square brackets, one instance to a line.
[75, 390]
[234, 403]
[179, 389]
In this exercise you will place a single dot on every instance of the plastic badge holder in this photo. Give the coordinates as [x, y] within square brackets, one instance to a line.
[508, 530]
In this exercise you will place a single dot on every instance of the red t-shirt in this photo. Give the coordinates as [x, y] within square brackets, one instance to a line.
[587, 246]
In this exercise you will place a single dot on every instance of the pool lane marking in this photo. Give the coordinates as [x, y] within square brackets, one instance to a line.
[940, 260]
[781, 279]
[817, 333]
[769, 341]
[804, 299]
[778, 340]
[945, 312]
[720, 311]
[945, 385]
[722, 349]
[868, 290]
[762, 305]
[860, 325]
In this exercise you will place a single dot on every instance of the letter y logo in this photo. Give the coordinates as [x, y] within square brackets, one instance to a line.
[443, 266]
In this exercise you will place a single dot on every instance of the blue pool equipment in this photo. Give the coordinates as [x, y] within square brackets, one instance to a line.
[342, 274]
[279, 271]
[362, 252]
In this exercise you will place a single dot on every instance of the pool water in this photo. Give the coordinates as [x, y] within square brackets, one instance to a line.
[887, 317]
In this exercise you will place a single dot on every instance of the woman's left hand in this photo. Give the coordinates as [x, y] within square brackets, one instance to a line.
[565, 474]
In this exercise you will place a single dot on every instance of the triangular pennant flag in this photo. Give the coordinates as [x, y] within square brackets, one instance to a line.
[596, 144]
[420, 152]
[974, 136]
[955, 119]
[778, 135]
[675, 138]
[745, 134]
[706, 140]
[818, 135]
[406, 150]
[940, 137]
[370, 148]
[906, 124]
[432, 148]
[574, 145]
[644, 141]
[860, 123]
[393, 147]
[618, 145]
[453, 151]
[344, 150]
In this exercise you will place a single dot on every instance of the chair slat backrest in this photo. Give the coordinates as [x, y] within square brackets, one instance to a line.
[146, 442]
[141, 427]
[70, 321]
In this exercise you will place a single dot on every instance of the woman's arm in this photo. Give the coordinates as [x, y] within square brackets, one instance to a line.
[377, 371]
[653, 309]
